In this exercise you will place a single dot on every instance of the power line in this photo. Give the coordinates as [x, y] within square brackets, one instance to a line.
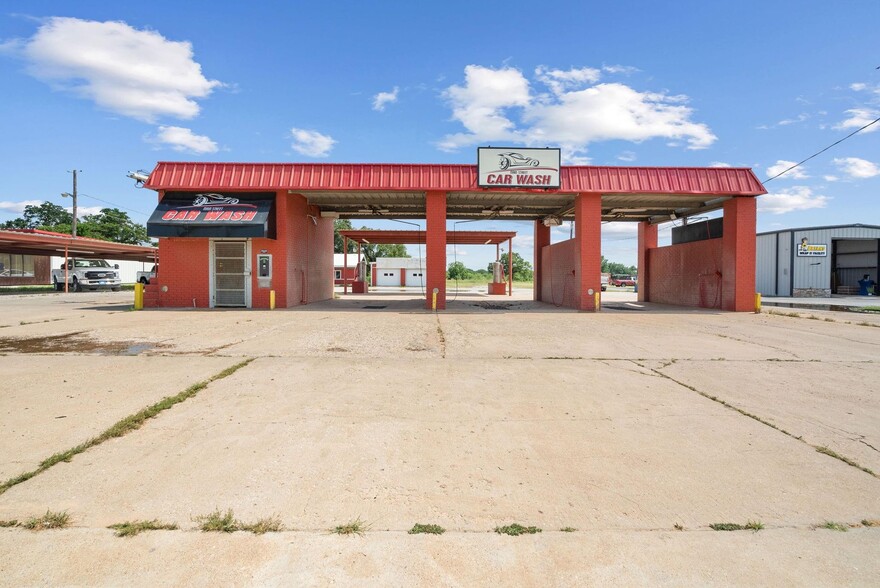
[113, 204]
[823, 150]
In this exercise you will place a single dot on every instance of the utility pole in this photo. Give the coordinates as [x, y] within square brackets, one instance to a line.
[67, 195]
[73, 225]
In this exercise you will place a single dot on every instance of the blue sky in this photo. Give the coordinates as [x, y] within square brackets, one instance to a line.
[110, 87]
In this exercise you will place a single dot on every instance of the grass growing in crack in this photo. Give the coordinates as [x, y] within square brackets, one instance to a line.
[846, 460]
[355, 527]
[12, 523]
[568, 529]
[218, 522]
[266, 525]
[419, 528]
[515, 529]
[749, 526]
[871, 522]
[126, 425]
[678, 527]
[832, 526]
[132, 528]
[50, 520]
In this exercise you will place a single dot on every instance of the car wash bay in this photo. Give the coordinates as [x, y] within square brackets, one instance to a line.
[289, 236]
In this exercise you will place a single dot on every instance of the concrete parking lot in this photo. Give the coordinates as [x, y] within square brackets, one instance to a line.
[635, 429]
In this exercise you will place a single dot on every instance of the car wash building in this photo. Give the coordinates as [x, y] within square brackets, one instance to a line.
[237, 234]
[816, 262]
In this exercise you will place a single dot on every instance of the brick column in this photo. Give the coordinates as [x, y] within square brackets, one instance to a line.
[738, 254]
[588, 234]
[647, 240]
[542, 239]
[435, 248]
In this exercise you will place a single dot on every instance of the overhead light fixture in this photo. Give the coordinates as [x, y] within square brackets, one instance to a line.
[365, 210]
[381, 210]
[552, 220]
[487, 241]
[617, 210]
[672, 216]
[329, 214]
[365, 241]
[505, 212]
[488, 211]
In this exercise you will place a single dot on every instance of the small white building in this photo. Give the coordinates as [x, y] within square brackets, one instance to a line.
[398, 271]
[816, 261]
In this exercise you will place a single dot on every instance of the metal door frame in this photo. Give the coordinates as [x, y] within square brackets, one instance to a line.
[247, 272]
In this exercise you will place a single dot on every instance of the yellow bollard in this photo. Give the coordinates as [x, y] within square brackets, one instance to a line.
[434, 300]
[138, 296]
[598, 301]
[271, 299]
[757, 302]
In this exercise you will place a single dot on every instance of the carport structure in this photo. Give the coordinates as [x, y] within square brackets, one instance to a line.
[718, 272]
[372, 236]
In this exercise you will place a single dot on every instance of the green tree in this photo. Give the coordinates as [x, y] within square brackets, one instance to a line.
[522, 269]
[112, 224]
[45, 216]
[342, 224]
[458, 271]
[373, 250]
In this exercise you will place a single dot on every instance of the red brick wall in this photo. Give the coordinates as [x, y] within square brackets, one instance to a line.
[348, 274]
[588, 234]
[559, 264]
[542, 239]
[184, 271]
[435, 248]
[687, 275]
[308, 248]
[739, 245]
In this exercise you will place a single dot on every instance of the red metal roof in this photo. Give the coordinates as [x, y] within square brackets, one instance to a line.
[37, 242]
[348, 177]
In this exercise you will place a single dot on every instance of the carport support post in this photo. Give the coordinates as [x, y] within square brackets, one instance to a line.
[647, 240]
[588, 234]
[435, 247]
[510, 267]
[738, 248]
[542, 239]
[344, 264]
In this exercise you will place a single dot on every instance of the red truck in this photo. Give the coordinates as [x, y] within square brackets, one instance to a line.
[622, 280]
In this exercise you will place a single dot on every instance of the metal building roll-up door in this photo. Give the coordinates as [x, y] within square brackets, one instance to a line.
[387, 277]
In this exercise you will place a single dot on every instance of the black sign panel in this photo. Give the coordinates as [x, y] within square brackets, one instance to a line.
[213, 214]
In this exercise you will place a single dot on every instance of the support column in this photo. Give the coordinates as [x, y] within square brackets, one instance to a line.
[542, 239]
[588, 235]
[738, 254]
[344, 264]
[647, 240]
[510, 267]
[435, 248]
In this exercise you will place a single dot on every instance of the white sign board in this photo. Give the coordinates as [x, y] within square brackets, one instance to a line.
[811, 250]
[512, 167]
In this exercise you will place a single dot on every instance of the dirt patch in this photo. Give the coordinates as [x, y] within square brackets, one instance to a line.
[77, 342]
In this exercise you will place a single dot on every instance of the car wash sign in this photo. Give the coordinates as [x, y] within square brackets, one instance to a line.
[211, 214]
[510, 167]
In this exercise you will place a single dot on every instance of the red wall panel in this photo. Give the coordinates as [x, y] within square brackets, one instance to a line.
[559, 269]
[687, 275]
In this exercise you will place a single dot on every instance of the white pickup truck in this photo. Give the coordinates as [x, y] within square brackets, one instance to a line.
[145, 277]
[92, 274]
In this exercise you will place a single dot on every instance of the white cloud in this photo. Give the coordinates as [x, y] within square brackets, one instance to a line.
[136, 73]
[791, 199]
[856, 167]
[858, 87]
[84, 211]
[830, 178]
[559, 80]
[627, 156]
[789, 121]
[18, 207]
[480, 104]
[311, 143]
[624, 69]
[183, 139]
[859, 117]
[383, 98]
[798, 173]
[719, 164]
[572, 116]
